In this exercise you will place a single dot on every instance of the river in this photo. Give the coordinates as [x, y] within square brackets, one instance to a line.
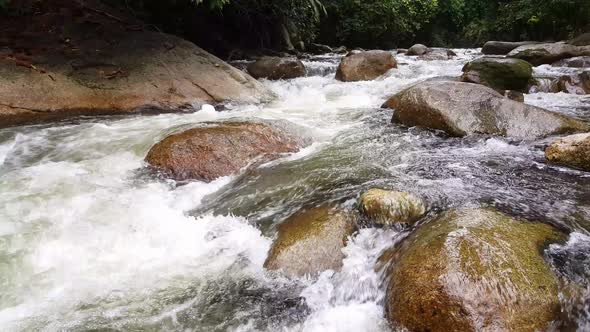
[91, 241]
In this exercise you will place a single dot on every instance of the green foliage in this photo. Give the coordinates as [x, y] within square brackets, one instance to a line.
[379, 22]
[386, 23]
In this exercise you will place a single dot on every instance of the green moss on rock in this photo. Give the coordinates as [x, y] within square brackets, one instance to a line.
[499, 74]
[473, 270]
[311, 241]
[391, 207]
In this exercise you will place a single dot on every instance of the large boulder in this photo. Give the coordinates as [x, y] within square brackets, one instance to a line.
[365, 65]
[391, 207]
[276, 68]
[53, 66]
[207, 153]
[464, 108]
[575, 62]
[539, 54]
[417, 49]
[474, 270]
[578, 84]
[572, 151]
[499, 73]
[502, 47]
[581, 40]
[311, 241]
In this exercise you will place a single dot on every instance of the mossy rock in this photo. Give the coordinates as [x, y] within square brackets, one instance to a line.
[391, 207]
[474, 270]
[499, 74]
[311, 241]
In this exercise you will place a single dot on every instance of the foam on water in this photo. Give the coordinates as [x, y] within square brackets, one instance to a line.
[88, 240]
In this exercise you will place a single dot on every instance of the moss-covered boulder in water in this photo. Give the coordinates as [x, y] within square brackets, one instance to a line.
[474, 270]
[499, 74]
[391, 207]
[311, 241]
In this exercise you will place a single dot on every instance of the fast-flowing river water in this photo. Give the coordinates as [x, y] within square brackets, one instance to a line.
[91, 241]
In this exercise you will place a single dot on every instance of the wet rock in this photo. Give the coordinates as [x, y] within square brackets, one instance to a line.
[417, 49]
[319, 48]
[402, 50]
[340, 50]
[105, 68]
[514, 95]
[575, 62]
[391, 207]
[502, 47]
[275, 68]
[574, 84]
[539, 54]
[311, 241]
[572, 151]
[541, 84]
[499, 73]
[581, 40]
[365, 65]
[208, 153]
[437, 54]
[474, 270]
[464, 108]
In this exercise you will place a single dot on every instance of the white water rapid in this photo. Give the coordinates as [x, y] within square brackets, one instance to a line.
[89, 241]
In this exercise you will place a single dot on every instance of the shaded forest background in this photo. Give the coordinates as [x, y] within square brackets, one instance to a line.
[229, 26]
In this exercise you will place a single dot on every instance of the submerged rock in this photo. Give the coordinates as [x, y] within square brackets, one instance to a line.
[575, 62]
[391, 207]
[572, 151]
[365, 65]
[464, 108]
[499, 73]
[105, 68]
[437, 54]
[502, 47]
[311, 241]
[417, 49]
[574, 84]
[539, 54]
[208, 153]
[474, 270]
[276, 68]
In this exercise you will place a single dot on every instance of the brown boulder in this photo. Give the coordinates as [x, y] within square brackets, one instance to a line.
[464, 108]
[574, 84]
[275, 68]
[211, 152]
[473, 270]
[388, 207]
[65, 67]
[311, 241]
[572, 151]
[365, 65]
